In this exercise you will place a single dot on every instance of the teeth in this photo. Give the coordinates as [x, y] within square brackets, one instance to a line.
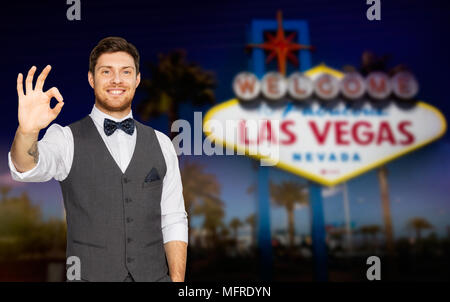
[117, 92]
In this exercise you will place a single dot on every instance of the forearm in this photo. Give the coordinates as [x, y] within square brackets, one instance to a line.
[24, 150]
[176, 252]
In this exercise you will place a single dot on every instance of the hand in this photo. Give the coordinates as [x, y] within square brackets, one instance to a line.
[34, 106]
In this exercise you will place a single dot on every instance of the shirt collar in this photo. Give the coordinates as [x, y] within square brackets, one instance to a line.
[99, 116]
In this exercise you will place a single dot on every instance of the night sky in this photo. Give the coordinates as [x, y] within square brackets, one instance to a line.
[213, 33]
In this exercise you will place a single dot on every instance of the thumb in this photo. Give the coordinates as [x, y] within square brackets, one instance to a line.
[57, 109]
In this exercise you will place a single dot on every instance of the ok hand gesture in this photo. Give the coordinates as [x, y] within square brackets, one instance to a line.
[34, 106]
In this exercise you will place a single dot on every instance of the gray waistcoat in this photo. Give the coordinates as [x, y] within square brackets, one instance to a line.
[114, 218]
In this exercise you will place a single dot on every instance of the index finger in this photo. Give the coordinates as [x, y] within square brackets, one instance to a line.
[41, 79]
[20, 85]
[29, 80]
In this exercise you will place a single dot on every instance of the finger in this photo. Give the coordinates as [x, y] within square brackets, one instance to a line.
[20, 85]
[57, 109]
[41, 79]
[29, 80]
[54, 93]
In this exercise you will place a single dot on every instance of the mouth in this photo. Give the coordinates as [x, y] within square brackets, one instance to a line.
[115, 91]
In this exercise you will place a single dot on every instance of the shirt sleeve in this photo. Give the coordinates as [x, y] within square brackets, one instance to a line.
[173, 215]
[55, 157]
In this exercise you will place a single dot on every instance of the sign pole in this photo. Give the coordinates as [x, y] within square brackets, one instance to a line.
[256, 34]
[318, 233]
[264, 232]
[348, 228]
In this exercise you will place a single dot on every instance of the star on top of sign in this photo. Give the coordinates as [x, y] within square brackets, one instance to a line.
[281, 47]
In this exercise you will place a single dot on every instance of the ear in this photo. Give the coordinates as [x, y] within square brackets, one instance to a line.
[138, 79]
[91, 79]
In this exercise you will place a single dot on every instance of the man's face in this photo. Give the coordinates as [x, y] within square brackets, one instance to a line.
[114, 81]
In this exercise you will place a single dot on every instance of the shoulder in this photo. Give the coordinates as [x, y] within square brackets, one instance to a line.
[166, 145]
[81, 128]
[162, 138]
[80, 123]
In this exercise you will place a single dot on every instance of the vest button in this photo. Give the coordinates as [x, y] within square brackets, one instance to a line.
[129, 219]
[129, 259]
[126, 180]
[127, 200]
[129, 239]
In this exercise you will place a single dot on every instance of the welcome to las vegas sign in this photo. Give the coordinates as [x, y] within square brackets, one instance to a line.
[326, 145]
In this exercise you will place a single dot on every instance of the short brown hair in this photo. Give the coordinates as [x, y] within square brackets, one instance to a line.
[113, 44]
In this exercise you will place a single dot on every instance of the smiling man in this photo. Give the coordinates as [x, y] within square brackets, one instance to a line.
[120, 179]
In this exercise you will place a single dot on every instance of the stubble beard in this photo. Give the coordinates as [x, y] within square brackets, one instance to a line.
[104, 103]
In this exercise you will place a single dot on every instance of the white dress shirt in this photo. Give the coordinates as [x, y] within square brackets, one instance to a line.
[56, 156]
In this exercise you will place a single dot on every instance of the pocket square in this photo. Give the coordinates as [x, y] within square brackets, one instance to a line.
[152, 176]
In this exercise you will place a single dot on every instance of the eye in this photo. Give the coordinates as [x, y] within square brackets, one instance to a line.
[127, 72]
[105, 72]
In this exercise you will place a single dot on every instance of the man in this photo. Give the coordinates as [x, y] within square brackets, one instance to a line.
[120, 179]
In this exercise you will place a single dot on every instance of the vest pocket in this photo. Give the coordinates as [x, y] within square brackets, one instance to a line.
[89, 244]
[152, 184]
[153, 242]
[93, 259]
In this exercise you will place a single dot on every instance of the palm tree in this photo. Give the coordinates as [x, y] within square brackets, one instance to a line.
[235, 224]
[371, 62]
[18, 215]
[213, 213]
[197, 186]
[224, 232]
[288, 194]
[371, 230]
[418, 224]
[251, 221]
[173, 80]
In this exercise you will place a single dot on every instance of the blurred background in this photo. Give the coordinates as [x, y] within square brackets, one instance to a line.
[190, 52]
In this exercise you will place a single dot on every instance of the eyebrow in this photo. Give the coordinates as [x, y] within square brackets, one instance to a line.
[108, 66]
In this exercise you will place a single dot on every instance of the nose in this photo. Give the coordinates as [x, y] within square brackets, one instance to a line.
[116, 78]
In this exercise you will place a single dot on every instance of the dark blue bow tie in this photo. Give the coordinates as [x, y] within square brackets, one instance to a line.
[126, 125]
